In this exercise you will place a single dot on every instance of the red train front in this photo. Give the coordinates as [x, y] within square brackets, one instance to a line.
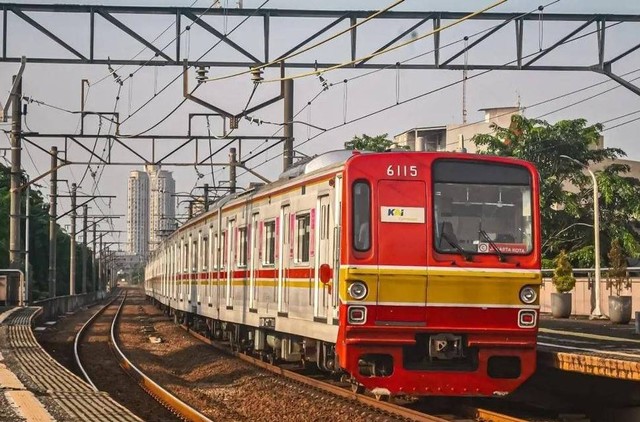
[439, 273]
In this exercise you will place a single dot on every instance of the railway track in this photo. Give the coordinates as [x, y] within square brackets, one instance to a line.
[339, 395]
[117, 375]
[462, 413]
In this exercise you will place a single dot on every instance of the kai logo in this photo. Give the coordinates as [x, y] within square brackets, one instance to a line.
[396, 214]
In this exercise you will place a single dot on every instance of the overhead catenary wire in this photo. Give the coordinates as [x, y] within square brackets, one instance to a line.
[388, 49]
[326, 85]
[180, 75]
[415, 98]
[112, 71]
[308, 48]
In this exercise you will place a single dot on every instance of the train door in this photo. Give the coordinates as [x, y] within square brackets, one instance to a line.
[284, 258]
[231, 239]
[323, 255]
[335, 229]
[193, 268]
[253, 260]
[402, 250]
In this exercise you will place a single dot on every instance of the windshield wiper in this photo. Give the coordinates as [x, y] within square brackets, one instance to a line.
[493, 245]
[452, 242]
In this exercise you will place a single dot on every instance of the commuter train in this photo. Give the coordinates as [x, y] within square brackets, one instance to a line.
[406, 273]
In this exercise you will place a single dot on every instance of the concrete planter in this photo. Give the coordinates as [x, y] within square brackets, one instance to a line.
[620, 309]
[561, 305]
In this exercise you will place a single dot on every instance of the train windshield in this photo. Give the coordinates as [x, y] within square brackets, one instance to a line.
[482, 208]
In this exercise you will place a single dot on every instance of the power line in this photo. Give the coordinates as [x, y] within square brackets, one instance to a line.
[389, 49]
[308, 48]
[180, 75]
[327, 85]
[418, 96]
[113, 71]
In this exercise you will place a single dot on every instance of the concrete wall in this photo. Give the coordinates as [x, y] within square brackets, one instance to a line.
[583, 295]
[54, 307]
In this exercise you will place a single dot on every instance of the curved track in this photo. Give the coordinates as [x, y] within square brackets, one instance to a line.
[176, 405]
[102, 362]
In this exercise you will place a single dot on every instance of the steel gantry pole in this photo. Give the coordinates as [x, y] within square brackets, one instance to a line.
[85, 210]
[72, 253]
[101, 268]
[53, 211]
[15, 249]
[232, 170]
[288, 124]
[94, 286]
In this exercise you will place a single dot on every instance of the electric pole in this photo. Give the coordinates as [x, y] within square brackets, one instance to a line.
[72, 256]
[288, 124]
[85, 210]
[101, 267]
[15, 249]
[232, 170]
[206, 197]
[93, 261]
[53, 210]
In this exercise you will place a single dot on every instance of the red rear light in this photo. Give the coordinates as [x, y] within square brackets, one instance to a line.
[527, 318]
[357, 315]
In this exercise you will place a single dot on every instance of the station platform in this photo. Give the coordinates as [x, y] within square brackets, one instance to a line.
[592, 347]
[35, 387]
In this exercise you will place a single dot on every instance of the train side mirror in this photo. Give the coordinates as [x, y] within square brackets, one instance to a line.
[325, 273]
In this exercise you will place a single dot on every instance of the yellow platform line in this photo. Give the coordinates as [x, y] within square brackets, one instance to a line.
[587, 335]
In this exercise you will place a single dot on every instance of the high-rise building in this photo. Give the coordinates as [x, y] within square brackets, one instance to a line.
[161, 204]
[138, 213]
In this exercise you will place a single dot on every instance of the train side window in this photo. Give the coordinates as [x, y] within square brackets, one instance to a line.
[242, 247]
[270, 243]
[194, 256]
[215, 252]
[361, 216]
[205, 253]
[185, 256]
[303, 227]
[223, 246]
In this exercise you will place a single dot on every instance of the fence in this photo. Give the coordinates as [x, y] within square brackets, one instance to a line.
[583, 296]
[56, 306]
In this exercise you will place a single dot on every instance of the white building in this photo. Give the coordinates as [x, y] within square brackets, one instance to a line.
[138, 213]
[161, 204]
[457, 136]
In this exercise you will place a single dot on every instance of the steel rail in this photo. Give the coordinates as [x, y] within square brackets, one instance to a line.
[154, 389]
[479, 414]
[80, 335]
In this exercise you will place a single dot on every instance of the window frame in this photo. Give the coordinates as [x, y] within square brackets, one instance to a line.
[356, 232]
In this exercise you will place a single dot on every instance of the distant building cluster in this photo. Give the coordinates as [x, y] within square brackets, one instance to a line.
[150, 209]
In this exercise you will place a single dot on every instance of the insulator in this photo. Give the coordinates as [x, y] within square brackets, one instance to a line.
[201, 73]
[256, 75]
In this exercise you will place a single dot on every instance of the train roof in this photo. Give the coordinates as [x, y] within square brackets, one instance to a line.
[311, 164]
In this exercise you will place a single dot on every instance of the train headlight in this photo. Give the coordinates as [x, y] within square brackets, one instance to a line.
[357, 290]
[528, 295]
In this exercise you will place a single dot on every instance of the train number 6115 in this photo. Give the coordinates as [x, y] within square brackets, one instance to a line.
[400, 170]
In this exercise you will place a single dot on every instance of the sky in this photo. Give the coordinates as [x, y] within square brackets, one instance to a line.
[59, 85]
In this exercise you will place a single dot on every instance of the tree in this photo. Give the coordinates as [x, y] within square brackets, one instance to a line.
[566, 192]
[378, 143]
[617, 274]
[38, 242]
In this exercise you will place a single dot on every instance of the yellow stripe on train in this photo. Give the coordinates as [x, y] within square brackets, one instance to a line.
[434, 285]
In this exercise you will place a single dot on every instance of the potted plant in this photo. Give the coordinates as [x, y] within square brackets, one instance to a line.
[617, 279]
[564, 281]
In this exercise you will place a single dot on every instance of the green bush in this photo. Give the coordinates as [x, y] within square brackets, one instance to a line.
[563, 278]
